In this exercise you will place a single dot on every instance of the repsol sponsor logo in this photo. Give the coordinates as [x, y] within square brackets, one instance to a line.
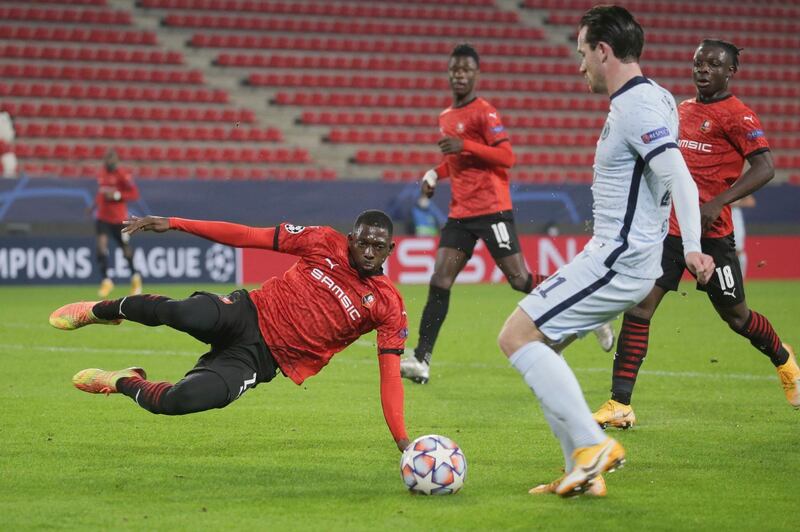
[337, 291]
[695, 146]
[45, 263]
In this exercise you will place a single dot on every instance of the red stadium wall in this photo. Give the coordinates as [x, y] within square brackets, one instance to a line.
[412, 260]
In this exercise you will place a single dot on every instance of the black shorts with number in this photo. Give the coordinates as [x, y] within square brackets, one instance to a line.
[496, 230]
[112, 230]
[726, 286]
[238, 352]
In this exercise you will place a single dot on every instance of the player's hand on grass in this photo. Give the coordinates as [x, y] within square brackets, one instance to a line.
[709, 212]
[701, 265]
[402, 444]
[450, 145]
[158, 224]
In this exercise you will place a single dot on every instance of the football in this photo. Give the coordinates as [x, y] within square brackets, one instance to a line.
[433, 465]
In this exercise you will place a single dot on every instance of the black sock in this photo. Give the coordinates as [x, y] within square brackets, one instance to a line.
[631, 350]
[763, 337]
[141, 309]
[130, 265]
[102, 262]
[432, 318]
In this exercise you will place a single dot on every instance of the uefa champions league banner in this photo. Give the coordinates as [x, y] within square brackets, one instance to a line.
[413, 259]
[71, 260]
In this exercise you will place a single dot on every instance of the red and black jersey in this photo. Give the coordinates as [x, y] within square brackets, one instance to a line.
[321, 304]
[114, 211]
[715, 139]
[478, 187]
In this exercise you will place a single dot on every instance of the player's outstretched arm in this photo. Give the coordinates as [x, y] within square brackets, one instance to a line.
[230, 234]
[157, 224]
[392, 397]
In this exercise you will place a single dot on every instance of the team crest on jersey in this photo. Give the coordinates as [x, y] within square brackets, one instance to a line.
[460, 127]
[368, 300]
[606, 131]
[705, 127]
[294, 229]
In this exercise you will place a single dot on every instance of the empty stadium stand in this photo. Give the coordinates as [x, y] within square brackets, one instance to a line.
[314, 89]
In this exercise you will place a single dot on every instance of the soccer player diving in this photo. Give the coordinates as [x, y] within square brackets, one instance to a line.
[293, 324]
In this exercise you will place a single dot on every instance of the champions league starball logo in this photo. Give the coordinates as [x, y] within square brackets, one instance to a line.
[220, 262]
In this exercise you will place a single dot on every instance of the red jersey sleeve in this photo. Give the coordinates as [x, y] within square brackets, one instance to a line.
[127, 188]
[393, 327]
[493, 131]
[745, 132]
[301, 240]
[230, 234]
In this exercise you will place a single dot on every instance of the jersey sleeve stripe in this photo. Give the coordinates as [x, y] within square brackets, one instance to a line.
[275, 238]
[756, 152]
[391, 352]
[659, 149]
[633, 195]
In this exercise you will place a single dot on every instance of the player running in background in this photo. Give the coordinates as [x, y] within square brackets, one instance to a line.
[334, 294]
[718, 132]
[638, 169]
[115, 188]
[477, 156]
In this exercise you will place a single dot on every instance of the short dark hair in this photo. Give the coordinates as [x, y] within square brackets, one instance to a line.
[375, 218]
[617, 27]
[729, 47]
[466, 50]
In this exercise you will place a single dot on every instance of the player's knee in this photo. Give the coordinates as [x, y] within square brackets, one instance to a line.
[640, 311]
[513, 336]
[735, 321]
[178, 400]
[521, 283]
[442, 282]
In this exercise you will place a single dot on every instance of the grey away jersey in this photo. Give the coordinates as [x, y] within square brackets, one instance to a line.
[631, 206]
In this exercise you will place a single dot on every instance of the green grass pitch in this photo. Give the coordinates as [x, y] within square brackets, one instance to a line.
[716, 448]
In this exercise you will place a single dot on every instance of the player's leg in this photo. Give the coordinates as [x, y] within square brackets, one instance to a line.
[572, 302]
[106, 284]
[455, 248]
[758, 329]
[124, 242]
[634, 337]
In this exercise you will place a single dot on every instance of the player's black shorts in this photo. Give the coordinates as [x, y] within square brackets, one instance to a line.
[496, 230]
[112, 230]
[726, 286]
[238, 352]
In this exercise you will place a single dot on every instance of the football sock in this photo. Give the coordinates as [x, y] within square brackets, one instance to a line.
[102, 262]
[198, 391]
[551, 379]
[431, 323]
[763, 337]
[141, 309]
[562, 434]
[631, 350]
[197, 315]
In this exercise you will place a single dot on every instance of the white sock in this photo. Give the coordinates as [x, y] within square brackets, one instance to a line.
[561, 432]
[551, 379]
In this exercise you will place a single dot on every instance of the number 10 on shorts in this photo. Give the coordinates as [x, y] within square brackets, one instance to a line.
[501, 235]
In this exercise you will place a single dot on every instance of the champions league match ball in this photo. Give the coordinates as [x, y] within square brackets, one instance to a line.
[433, 465]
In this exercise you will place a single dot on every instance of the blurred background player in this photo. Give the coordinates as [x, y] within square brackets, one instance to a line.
[638, 168]
[739, 229]
[717, 133]
[477, 156]
[8, 159]
[294, 324]
[426, 217]
[115, 188]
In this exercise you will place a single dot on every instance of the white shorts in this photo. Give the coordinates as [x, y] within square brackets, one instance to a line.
[581, 296]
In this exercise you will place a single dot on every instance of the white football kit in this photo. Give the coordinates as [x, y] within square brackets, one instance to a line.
[619, 265]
